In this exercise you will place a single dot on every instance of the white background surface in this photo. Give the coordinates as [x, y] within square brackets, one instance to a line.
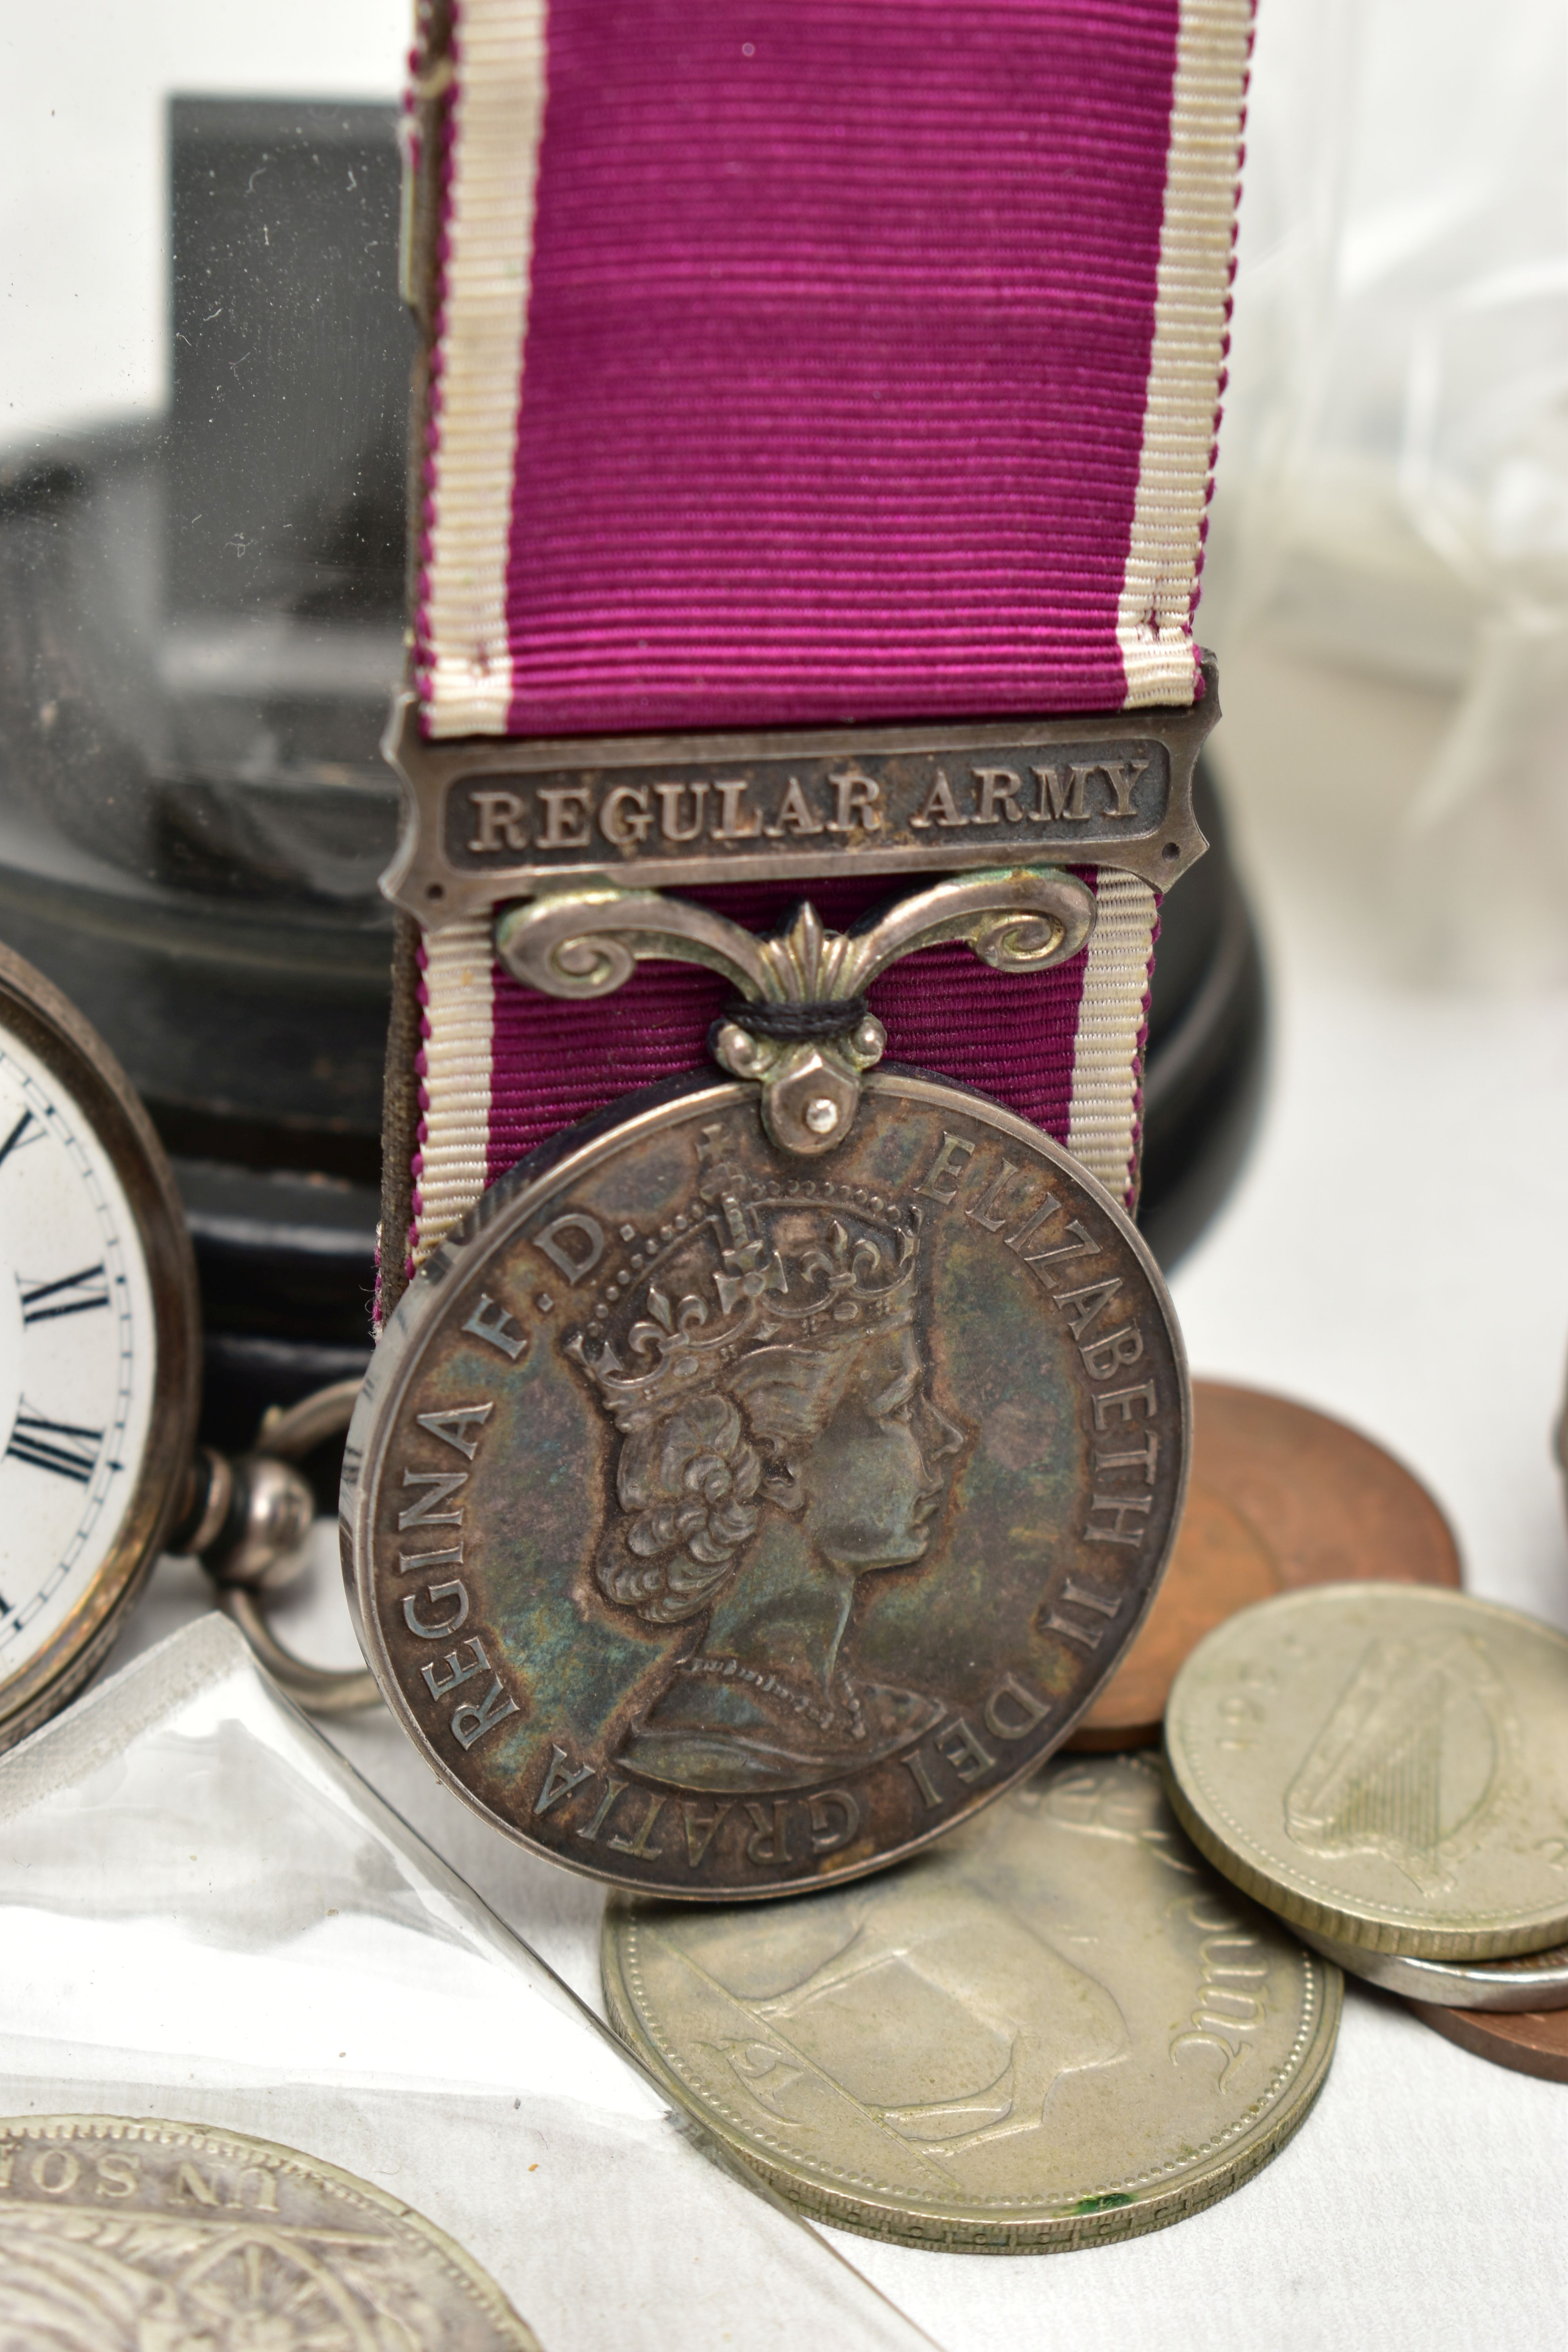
[1394, 1253]
[84, 265]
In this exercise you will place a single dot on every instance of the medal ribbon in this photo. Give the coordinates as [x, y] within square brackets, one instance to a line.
[804, 361]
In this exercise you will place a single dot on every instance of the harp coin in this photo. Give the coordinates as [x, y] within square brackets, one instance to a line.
[1384, 1765]
[115, 2231]
[1535, 1981]
[1532, 2044]
[1057, 2029]
[1279, 1496]
[722, 1522]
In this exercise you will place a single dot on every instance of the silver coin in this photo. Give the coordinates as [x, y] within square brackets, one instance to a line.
[1383, 1764]
[1055, 2029]
[121, 2235]
[1534, 1981]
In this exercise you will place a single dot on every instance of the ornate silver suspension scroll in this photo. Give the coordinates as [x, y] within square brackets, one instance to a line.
[587, 942]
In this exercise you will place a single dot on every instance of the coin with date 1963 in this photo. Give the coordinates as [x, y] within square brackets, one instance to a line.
[721, 1522]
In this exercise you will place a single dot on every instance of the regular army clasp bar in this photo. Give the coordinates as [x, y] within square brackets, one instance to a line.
[490, 819]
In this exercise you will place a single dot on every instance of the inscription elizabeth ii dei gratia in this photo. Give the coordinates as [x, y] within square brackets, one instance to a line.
[721, 1523]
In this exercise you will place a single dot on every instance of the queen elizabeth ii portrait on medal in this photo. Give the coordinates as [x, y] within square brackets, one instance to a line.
[733, 1520]
[779, 1443]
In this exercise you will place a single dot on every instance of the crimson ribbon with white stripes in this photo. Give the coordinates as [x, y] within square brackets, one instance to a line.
[806, 362]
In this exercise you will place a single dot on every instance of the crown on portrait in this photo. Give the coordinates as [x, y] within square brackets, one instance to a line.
[811, 1261]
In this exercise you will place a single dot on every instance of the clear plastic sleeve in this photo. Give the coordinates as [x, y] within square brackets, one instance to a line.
[206, 1916]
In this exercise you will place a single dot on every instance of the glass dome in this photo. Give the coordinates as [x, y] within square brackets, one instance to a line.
[201, 459]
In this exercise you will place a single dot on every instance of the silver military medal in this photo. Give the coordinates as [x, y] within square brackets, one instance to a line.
[770, 1471]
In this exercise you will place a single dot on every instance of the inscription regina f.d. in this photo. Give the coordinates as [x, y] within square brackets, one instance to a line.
[724, 1526]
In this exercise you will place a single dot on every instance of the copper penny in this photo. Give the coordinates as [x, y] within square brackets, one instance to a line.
[1532, 2041]
[1280, 1496]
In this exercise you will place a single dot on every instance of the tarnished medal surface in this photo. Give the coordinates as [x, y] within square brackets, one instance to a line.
[721, 1521]
[1058, 2029]
[123, 2236]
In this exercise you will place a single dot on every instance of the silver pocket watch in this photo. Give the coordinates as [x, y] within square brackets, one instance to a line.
[100, 1376]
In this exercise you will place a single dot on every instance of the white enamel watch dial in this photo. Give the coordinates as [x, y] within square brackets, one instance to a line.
[77, 1354]
[98, 1347]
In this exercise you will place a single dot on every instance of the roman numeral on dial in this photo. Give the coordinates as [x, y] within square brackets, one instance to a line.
[62, 1446]
[69, 1294]
[19, 1136]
